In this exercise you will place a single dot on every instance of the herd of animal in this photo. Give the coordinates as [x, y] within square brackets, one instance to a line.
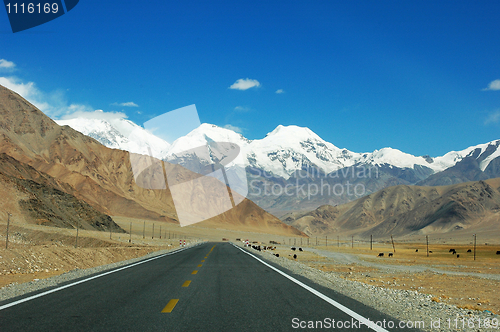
[263, 248]
[453, 252]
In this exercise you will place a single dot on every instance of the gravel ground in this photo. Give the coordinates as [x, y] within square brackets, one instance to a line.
[404, 305]
[14, 290]
[344, 258]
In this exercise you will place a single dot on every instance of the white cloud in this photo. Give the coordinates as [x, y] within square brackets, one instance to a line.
[234, 128]
[97, 114]
[494, 85]
[244, 84]
[493, 117]
[53, 104]
[127, 104]
[7, 64]
[241, 109]
[26, 90]
[279, 91]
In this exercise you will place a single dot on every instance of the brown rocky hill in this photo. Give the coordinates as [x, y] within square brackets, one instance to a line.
[38, 198]
[406, 210]
[100, 176]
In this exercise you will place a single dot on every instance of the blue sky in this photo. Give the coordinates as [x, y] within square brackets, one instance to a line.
[418, 76]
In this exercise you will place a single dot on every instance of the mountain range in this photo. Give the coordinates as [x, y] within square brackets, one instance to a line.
[57, 176]
[314, 172]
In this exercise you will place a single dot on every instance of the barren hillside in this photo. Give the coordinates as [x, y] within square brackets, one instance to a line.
[404, 210]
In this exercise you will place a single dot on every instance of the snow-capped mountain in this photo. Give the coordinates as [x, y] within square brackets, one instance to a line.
[282, 152]
[119, 134]
[288, 149]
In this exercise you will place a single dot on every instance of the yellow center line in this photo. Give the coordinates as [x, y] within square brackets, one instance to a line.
[203, 261]
[194, 272]
[170, 305]
[186, 283]
[199, 265]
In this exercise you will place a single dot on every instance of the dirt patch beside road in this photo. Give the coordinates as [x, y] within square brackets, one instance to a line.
[463, 281]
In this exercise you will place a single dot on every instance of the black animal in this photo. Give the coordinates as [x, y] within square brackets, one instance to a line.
[458, 256]
[416, 250]
[277, 255]
[498, 252]
[469, 250]
[293, 248]
[381, 254]
[451, 250]
[300, 249]
[294, 256]
[390, 254]
[430, 252]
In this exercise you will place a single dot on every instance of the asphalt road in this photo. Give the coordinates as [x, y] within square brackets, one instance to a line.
[230, 291]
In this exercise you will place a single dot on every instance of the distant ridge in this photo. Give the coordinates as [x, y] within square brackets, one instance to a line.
[409, 210]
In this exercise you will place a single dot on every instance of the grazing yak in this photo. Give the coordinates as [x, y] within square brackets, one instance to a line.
[381, 254]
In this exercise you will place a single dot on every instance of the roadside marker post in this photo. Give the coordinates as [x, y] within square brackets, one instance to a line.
[7, 237]
[393, 247]
[77, 228]
[427, 240]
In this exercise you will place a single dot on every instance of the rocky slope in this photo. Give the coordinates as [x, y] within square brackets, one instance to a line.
[39, 198]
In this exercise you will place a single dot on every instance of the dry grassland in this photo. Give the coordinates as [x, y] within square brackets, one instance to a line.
[463, 281]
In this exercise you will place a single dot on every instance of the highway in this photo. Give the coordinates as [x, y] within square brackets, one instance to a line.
[210, 287]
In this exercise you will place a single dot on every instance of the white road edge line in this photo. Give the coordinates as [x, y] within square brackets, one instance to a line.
[339, 306]
[5, 306]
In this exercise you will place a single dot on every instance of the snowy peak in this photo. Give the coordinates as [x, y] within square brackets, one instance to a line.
[119, 134]
[394, 157]
[485, 152]
[293, 131]
[203, 134]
